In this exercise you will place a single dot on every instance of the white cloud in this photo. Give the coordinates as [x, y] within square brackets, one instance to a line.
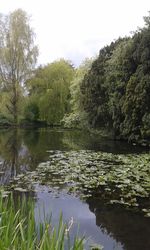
[76, 29]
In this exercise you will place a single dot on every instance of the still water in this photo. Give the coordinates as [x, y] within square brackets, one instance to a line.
[112, 227]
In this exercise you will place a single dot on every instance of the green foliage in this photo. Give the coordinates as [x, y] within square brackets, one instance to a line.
[116, 90]
[31, 112]
[94, 89]
[4, 121]
[120, 179]
[77, 117]
[18, 230]
[49, 88]
[17, 59]
[109, 92]
[75, 120]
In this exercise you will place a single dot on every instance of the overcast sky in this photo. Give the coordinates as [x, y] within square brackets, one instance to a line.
[76, 29]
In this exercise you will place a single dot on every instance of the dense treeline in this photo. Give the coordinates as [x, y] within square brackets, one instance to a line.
[111, 91]
[116, 90]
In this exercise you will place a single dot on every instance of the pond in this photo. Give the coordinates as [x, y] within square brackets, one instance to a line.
[37, 163]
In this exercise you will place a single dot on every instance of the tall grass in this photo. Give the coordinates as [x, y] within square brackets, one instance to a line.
[18, 229]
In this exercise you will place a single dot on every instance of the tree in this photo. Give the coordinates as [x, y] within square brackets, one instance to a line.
[18, 56]
[116, 90]
[77, 117]
[120, 68]
[49, 88]
[31, 112]
[94, 89]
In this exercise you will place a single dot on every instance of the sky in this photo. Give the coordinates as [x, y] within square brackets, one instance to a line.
[77, 29]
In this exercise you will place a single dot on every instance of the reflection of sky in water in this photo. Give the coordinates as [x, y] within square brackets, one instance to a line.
[22, 150]
[72, 207]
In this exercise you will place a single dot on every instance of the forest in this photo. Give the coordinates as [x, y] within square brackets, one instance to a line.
[110, 92]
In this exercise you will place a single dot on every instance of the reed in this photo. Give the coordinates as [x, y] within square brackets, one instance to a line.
[18, 230]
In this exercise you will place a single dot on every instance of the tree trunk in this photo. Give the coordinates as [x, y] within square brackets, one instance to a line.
[15, 104]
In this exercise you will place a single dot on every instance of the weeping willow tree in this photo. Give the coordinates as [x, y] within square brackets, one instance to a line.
[18, 56]
[49, 91]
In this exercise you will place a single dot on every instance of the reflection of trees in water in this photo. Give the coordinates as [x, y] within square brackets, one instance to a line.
[22, 150]
[9, 152]
[13, 153]
[13, 147]
[77, 139]
[130, 229]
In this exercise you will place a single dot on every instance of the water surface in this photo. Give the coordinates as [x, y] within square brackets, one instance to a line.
[113, 227]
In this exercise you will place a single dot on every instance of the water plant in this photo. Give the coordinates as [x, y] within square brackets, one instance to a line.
[117, 179]
[18, 230]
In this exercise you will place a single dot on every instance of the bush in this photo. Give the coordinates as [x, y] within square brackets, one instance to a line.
[75, 120]
[4, 121]
[31, 112]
